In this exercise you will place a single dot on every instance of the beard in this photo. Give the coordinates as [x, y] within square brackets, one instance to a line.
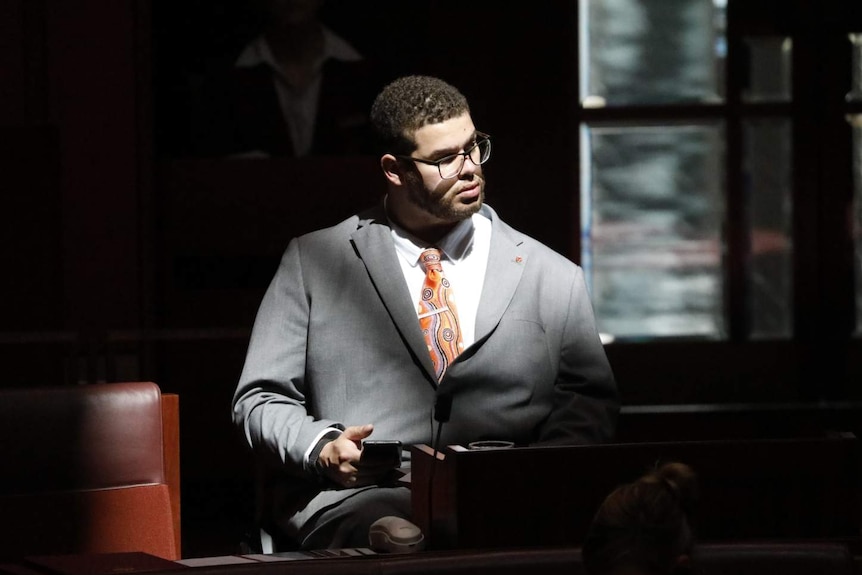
[445, 207]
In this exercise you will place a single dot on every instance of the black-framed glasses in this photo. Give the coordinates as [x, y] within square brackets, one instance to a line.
[451, 166]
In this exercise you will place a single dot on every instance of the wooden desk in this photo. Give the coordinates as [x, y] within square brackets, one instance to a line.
[748, 558]
[804, 488]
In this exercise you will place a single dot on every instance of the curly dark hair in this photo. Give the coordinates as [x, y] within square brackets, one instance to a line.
[409, 103]
[644, 525]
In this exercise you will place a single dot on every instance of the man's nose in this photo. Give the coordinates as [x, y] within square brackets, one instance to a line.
[468, 169]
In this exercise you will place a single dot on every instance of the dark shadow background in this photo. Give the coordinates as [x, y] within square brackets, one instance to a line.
[126, 258]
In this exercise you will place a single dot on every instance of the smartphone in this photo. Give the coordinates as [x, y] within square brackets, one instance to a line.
[381, 452]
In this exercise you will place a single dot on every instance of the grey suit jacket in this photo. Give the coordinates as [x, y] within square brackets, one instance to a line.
[337, 342]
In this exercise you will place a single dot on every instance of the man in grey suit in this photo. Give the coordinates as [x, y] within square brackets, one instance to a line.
[337, 351]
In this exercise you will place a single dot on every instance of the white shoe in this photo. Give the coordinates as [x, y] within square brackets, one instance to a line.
[392, 534]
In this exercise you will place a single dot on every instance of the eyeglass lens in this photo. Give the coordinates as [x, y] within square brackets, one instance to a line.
[479, 154]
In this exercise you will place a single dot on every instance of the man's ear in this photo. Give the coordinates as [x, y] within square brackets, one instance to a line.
[391, 169]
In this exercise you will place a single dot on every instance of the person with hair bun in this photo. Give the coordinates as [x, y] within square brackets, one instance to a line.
[644, 527]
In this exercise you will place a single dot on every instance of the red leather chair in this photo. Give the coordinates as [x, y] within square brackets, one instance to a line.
[89, 469]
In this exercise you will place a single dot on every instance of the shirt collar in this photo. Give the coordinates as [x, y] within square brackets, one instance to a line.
[455, 245]
[334, 47]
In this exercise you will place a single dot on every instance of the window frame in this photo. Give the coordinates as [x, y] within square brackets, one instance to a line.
[739, 367]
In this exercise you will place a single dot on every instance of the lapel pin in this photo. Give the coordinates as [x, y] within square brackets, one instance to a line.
[519, 259]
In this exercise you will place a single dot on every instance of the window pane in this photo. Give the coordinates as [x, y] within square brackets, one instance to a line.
[855, 94]
[767, 176]
[769, 69]
[651, 51]
[652, 208]
[856, 122]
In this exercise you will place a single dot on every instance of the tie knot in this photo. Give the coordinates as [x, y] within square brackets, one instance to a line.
[430, 257]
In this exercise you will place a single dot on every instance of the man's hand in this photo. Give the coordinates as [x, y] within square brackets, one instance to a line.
[339, 458]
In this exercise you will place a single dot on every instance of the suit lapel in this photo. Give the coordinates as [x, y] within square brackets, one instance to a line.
[374, 244]
[506, 261]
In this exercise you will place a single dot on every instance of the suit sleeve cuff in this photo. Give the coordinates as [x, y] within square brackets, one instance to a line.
[313, 451]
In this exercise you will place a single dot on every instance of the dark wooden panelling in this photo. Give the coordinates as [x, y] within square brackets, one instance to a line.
[31, 291]
[12, 58]
[91, 76]
[223, 225]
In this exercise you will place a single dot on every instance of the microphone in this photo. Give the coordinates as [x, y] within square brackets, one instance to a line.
[442, 411]
[443, 407]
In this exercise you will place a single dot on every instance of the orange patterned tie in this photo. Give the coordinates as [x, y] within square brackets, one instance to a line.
[437, 314]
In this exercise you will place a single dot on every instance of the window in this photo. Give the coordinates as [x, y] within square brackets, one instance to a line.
[653, 200]
[685, 170]
[854, 96]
